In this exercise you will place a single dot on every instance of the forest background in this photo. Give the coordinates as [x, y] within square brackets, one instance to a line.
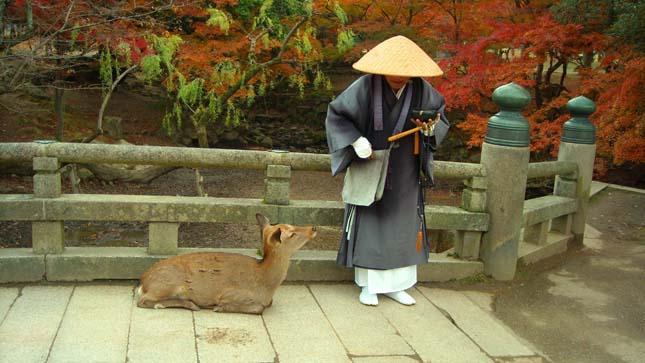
[254, 73]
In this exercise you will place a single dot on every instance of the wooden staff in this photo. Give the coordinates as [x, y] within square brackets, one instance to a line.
[406, 133]
[403, 134]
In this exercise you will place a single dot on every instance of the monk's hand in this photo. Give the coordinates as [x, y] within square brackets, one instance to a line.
[363, 148]
[427, 127]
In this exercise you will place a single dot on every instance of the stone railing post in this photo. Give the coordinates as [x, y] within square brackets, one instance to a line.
[578, 144]
[505, 157]
[277, 184]
[473, 199]
[47, 236]
[163, 238]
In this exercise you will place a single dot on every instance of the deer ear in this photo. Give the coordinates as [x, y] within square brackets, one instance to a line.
[276, 236]
[262, 220]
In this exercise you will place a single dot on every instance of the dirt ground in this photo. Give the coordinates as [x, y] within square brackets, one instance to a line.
[587, 305]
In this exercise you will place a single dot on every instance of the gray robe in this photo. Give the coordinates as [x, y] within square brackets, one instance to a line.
[384, 235]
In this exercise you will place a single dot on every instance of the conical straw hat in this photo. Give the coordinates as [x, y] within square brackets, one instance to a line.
[398, 56]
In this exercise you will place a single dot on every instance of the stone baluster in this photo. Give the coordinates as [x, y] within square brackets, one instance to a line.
[505, 157]
[163, 238]
[578, 144]
[473, 199]
[47, 236]
[277, 184]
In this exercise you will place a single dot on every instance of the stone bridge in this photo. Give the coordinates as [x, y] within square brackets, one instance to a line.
[495, 227]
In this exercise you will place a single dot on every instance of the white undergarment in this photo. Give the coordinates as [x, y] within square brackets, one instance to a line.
[384, 281]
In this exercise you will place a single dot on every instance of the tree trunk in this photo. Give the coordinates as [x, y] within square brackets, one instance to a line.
[587, 59]
[538, 84]
[30, 16]
[106, 99]
[59, 106]
[562, 78]
[202, 133]
[2, 7]
[140, 174]
[108, 95]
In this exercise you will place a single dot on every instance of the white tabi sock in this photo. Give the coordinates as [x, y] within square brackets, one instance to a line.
[366, 298]
[401, 297]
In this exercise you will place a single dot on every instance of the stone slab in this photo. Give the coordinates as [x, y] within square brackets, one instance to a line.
[93, 263]
[556, 243]
[310, 265]
[449, 217]
[597, 187]
[21, 265]
[386, 359]
[430, 333]
[362, 329]
[486, 331]
[482, 299]
[95, 326]
[161, 335]
[232, 338]
[542, 209]
[299, 330]
[7, 296]
[591, 232]
[627, 189]
[21, 207]
[29, 328]
[442, 267]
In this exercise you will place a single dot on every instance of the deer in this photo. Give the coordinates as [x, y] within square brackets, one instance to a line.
[224, 282]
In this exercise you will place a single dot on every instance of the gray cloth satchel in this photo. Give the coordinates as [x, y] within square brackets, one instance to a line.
[364, 181]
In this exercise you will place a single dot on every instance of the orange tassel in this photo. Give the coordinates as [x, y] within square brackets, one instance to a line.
[419, 241]
[416, 143]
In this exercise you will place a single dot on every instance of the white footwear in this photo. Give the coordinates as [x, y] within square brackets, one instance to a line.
[367, 299]
[401, 297]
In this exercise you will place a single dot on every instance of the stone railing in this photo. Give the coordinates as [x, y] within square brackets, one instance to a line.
[488, 223]
[47, 208]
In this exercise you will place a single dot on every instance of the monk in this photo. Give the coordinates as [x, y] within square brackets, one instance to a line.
[385, 241]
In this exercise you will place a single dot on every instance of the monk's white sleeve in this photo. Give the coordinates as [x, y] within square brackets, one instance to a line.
[362, 147]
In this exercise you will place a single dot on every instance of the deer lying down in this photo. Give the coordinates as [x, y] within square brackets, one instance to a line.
[225, 282]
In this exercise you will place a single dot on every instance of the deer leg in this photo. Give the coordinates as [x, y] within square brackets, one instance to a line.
[175, 303]
[246, 309]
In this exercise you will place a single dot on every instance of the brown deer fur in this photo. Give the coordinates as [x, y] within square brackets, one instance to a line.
[225, 282]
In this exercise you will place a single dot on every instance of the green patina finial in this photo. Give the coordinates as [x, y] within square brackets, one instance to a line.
[579, 130]
[508, 127]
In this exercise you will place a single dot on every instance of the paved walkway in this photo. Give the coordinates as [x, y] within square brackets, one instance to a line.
[307, 323]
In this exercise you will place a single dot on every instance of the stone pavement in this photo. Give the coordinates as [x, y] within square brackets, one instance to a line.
[307, 323]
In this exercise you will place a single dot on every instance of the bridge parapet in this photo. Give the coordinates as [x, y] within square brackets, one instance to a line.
[47, 208]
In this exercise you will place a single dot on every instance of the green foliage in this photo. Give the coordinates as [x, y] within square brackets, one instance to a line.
[166, 47]
[629, 25]
[151, 65]
[298, 81]
[346, 40]
[250, 96]
[244, 10]
[105, 66]
[321, 81]
[233, 114]
[214, 106]
[220, 19]
[191, 94]
[172, 120]
[225, 73]
[340, 14]
[124, 51]
[621, 18]
[73, 35]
